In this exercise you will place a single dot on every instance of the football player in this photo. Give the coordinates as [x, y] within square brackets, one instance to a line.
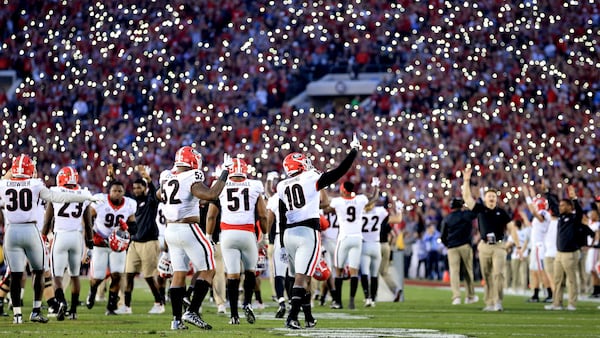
[113, 212]
[374, 218]
[182, 189]
[65, 221]
[241, 203]
[538, 207]
[299, 218]
[349, 208]
[22, 239]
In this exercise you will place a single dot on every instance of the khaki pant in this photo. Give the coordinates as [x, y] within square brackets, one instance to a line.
[384, 267]
[519, 273]
[456, 256]
[565, 263]
[492, 259]
[549, 269]
[218, 284]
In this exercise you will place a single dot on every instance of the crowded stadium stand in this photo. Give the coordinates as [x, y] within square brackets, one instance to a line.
[509, 87]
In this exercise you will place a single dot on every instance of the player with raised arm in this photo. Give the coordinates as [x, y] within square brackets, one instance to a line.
[349, 208]
[181, 189]
[241, 203]
[71, 225]
[299, 199]
[23, 242]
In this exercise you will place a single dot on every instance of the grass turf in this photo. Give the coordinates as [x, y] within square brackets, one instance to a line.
[426, 312]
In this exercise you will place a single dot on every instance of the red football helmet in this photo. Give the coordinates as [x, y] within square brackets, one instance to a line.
[119, 240]
[296, 163]
[239, 168]
[67, 175]
[22, 167]
[540, 203]
[322, 272]
[188, 157]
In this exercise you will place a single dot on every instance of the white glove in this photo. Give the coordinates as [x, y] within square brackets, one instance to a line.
[271, 175]
[355, 144]
[399, 206]
[264, 241]
[375, 182]
[227, 161]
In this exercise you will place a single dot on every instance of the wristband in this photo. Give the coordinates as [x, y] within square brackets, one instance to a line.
[224, 175]
[528, 200]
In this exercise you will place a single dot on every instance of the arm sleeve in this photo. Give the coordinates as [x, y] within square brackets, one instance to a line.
[282, 221]
[334, 175]
[445, 232]
[63, 197]
[552, 203]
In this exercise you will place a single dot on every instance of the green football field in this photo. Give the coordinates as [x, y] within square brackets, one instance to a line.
[426, 312]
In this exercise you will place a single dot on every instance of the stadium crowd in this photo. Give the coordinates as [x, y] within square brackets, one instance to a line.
[510, 88]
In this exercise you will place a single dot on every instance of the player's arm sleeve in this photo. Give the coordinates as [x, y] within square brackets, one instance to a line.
[335, 174]
[48, 216]
[282, 221]
[63, 197]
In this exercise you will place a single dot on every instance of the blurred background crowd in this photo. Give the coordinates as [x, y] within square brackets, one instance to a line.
[511, 88]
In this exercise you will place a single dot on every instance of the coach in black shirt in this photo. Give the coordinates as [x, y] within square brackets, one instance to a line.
[457, 229]
[567, 256]
[144, 249]
[493, 222]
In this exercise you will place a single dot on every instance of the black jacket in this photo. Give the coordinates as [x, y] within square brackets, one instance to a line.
[457, 228]
[567, 230]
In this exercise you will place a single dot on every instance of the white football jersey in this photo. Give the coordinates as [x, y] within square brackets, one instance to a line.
[539, 228]
[300, 196]
[334, 227]
[349, 213]
[177, 194]
[22, 200]
[273, 206]
[69, 216]
[372, 221]
[161, 219]
[108, 215]
[238, 203]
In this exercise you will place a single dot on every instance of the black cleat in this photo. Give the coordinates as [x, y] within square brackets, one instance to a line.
[91, 299]
[293, 324]
[281, 311]
[37, 318]
[60, 314]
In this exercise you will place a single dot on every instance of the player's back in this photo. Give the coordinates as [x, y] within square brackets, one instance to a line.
[21, 199]
[372, 222]
[349, 213]
[177, 194]
[300, 196]
[238, 203]
[69, 216]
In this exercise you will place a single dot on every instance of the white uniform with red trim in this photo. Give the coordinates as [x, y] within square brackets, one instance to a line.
[238, 237]
[370, 258]
[67, 246]
[22, 203]
[186, 241]
[301, 198]
[108, 216]
[536, 244]
[22, 240]
[349, 215]
[280, 259]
